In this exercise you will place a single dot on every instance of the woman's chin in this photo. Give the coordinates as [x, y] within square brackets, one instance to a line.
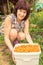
[20, 18]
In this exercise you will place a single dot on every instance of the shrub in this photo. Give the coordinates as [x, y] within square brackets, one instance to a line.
[37, 18]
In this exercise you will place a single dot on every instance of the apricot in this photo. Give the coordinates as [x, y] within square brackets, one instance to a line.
[27, 48]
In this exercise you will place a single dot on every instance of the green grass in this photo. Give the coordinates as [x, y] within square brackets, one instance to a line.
[0, 23]
[1, 39]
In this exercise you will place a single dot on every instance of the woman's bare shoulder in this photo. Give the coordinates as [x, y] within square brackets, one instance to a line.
[27, 21]
[7, 19]
[10, 17]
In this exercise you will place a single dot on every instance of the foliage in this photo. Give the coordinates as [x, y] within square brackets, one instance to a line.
[32, 0]
[29, 0]
[0, 11]
[11, 6]
[38, 6]
[37, 18]
[36, 31]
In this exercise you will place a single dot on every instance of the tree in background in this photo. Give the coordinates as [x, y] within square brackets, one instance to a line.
[7, 7]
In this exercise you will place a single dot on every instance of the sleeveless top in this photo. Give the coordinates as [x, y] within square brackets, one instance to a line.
[15, 24]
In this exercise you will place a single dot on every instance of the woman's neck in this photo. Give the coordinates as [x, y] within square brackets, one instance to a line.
[18, 20]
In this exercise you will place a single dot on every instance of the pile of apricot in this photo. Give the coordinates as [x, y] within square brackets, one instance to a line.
[27, 48]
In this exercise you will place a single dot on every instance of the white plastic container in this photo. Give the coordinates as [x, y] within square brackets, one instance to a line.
[30, 58]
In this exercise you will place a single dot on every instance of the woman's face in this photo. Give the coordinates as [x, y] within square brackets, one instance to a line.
[21, 14]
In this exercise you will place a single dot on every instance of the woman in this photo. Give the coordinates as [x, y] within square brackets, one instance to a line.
[15, 22]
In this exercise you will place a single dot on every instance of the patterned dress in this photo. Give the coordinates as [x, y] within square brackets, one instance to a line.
[15, 24]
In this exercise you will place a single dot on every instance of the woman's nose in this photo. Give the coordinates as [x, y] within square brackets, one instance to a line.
[22, 14]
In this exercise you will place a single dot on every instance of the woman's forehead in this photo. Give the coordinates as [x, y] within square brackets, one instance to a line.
[22, 10]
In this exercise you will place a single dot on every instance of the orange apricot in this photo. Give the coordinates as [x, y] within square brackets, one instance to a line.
[27, 48]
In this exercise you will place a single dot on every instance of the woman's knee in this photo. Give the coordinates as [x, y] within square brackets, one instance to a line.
[21, 36]
[13, 34]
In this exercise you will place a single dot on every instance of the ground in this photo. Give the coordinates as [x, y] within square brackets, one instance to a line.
[5, 56]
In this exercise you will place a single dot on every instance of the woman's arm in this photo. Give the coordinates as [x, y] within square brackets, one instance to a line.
[7, 28]
[26, 28]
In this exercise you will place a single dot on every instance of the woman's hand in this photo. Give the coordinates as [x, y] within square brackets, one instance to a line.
[29, 39]
[26, 28]
[11, 49]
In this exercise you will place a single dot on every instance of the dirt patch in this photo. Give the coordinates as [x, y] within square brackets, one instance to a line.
[5, 56]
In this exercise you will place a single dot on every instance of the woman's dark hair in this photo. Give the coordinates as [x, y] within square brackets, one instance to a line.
[22, 5]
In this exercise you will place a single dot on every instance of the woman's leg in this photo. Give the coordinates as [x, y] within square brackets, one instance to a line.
[21, 36]
[13, 34]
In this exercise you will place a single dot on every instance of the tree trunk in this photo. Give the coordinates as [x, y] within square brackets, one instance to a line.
[4, 7]
[5, 10]
[8, 6]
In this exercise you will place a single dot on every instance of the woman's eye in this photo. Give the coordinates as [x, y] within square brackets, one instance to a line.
[24, 12]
